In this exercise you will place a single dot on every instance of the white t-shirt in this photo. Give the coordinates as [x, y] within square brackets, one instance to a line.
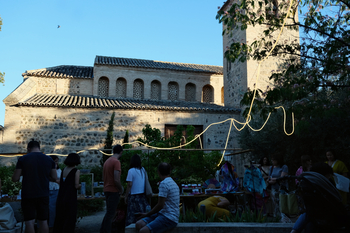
[137, 177]
[169, 189]
[54, 185]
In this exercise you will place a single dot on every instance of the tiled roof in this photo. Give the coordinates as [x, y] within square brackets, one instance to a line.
[70, 101]
[150, 64]
[62, 72]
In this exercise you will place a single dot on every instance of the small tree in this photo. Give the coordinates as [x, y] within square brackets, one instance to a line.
[109, 138]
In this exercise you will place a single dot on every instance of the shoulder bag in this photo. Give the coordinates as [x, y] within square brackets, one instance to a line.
[148, 188]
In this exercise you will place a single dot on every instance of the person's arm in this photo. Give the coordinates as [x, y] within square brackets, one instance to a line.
[128, 188]
[77, 179]
[53, 175]
[117, 181]
[223, 203]
[16, 175]
[156, 208]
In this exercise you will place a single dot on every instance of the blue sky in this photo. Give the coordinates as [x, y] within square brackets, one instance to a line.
[175, 31]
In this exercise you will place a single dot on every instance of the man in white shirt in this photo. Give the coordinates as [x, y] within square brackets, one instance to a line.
[165, 215]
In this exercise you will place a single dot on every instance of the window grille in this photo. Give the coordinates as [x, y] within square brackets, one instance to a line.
[138, 89]
[121, 88]
[190, 92]
[103, 87]
[208, 94]
[173, 93]
[155, 90]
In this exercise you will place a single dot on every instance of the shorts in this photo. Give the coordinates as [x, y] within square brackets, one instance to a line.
[35, 208]
[158, 223]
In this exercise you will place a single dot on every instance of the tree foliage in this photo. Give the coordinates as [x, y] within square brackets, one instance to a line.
[318, 64]
[187, 166]
[313, 82]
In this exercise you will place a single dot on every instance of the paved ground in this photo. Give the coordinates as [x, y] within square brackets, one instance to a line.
[90, 224]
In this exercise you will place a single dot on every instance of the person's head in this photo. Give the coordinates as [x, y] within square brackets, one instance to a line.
[164, 169]
[277, 159]
[323, 169]
[55, 159]
[135, 161]
[73, 159]
[306, 162]
[33, 145]
[117, 149]
[331, 156]
[264, 161]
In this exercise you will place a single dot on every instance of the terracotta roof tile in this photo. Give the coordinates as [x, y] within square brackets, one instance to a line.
[151, 64]
[71, 101]
[62, 72]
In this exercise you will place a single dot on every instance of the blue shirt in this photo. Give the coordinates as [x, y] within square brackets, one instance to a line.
[277, 173]
[36, 168]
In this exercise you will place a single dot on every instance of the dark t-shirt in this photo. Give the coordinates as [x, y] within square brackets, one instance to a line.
[36, 168]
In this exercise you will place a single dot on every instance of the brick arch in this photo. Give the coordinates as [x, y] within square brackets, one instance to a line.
[103, 87]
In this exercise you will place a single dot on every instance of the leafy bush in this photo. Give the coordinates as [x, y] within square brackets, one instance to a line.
[9, 187]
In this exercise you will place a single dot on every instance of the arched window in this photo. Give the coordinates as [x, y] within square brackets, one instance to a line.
[222, 95]
[121, 88]
[272, 9]
[173, 93]
[155, 90]
[103, 87]
[208, 94]
[190, 92]
[138, 89]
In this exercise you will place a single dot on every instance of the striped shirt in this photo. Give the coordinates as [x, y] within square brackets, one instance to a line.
[169, 189]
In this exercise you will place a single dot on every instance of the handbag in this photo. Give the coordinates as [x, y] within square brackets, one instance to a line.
[288, 203]
[148, 189]
[7, 217]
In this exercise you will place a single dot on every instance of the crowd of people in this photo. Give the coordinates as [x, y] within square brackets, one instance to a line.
[49, 194]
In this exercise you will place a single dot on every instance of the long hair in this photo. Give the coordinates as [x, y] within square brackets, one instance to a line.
[261, 162]
[135, 161]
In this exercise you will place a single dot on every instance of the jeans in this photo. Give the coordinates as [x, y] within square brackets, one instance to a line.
[303, 223]
[112, 200]
[52, 206]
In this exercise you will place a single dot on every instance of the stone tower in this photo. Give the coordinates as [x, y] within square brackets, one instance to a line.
[239, 76]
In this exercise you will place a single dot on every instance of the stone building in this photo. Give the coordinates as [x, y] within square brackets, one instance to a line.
[67, 108]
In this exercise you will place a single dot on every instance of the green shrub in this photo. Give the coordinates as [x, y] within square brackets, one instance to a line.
[9, 187]
[89, 207]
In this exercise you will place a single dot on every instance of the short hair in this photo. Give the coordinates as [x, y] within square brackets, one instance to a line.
[135, 161]
[54, 157]
[117, 149]
[72, 159]
[278, 157]
[33, 144]
[304, 160]
[164, 169]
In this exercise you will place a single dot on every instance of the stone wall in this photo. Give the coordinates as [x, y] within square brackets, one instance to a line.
[163, 76]
[66, 130]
